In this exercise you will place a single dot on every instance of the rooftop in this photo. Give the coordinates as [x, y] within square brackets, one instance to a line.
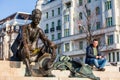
[18, 15]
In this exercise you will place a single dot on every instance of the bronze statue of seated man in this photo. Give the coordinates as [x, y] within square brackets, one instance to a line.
[28, 47]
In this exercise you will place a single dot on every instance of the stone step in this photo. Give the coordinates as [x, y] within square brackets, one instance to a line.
[113, 68]
[10, 70]
[40, 78]
[26, 78]
[49, 78]
[64, 78]
[10, 64]
[109, 78]
[107, 74]
[110, 69]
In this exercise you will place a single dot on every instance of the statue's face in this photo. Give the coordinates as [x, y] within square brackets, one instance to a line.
[36, 19]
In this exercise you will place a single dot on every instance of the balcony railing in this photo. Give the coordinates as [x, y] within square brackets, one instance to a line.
[74, 52]
[66, 1]
[58, 28]
[52, 29]
[46, 31]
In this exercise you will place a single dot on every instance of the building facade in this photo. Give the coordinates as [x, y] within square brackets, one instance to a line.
[9, 28]
[51, 21]
[61, 19]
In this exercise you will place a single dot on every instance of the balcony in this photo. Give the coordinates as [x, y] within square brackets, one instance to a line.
[52, 29]
[74, 52]
[46, 31]
[58, 28]
[115, 46]
[83, 35]
[66, 1]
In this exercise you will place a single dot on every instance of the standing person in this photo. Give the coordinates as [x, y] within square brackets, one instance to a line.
[94, 57]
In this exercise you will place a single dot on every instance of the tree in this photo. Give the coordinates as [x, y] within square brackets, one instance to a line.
[87, 22]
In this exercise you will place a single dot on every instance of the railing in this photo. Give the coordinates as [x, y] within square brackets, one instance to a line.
[74, 52]
[52, 29]
[58, 28]
[46, 31]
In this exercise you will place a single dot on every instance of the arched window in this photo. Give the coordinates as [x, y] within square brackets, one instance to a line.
[80, 2]
[59, 23]
[52, 24]
[80, 15]
[88, 12]
[97, 10]
[47, 26]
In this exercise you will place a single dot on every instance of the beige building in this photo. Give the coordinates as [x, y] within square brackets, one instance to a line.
[9, 28]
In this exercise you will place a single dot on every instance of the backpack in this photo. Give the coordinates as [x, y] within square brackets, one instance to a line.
[80, 69]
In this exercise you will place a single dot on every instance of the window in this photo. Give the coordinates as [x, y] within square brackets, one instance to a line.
[59, 35]
[53, 37]
[80, 15]
[97, 11]
[47, 28]
[109, 21]
[118, 56]
[80, 30]
[52, 25]
[88, 12]
[97, 25]
[52, 12]
[89, 27]
[80, 2]
[52, 29]
[47, 15]
[113, 57]
[23, 16]
[4, 29]
[117, 38]
[67, 47]
[20, 16]
[109, 57]
[16, 28]
[58, 11]
[108, 5]
[59, 23]
[88, 1]
[66, 32]
[68, 5]
[59, 49]
[110, 40]
[66, 18]
[99, 41]
[81, 45]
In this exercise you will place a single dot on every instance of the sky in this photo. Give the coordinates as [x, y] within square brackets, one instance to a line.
[8, 7]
